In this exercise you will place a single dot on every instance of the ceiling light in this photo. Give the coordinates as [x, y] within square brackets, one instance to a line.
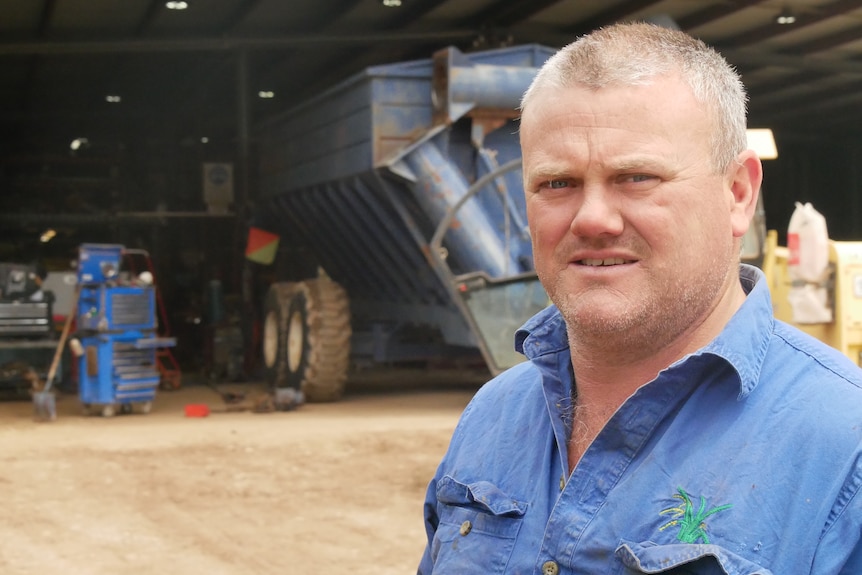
[113, 98]
[266, 94]
[205, 140]
[391, 3]
[177, 5]
[786, 17]
[47, 236]
[762, 141]
[79, 143]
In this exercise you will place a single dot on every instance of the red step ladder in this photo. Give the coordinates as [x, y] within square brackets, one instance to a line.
[169, 369]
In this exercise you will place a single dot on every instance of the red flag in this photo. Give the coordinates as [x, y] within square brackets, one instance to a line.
[262, 246]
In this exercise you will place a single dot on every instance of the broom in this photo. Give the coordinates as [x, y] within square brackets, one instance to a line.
[44, 402]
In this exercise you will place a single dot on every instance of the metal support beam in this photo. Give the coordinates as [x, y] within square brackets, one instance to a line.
[242, 123]
[223, 44]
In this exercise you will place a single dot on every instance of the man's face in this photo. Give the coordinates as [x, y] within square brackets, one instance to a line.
[633, 229]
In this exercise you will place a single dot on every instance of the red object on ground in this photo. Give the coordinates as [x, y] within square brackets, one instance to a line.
[197, 410]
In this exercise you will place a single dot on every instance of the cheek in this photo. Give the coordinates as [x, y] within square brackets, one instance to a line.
[702, 238]
[547, 235]
[714, 221]
[548, 223]
[688, 214]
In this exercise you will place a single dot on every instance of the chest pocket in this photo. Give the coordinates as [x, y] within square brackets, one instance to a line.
[477, 529]
[683, 559]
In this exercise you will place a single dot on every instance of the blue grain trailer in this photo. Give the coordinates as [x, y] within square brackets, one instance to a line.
[398, 200]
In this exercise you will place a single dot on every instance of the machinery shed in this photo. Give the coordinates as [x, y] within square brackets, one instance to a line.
[218, 218]
[173, 127]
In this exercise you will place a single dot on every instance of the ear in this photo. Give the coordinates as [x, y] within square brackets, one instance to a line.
[744, 178]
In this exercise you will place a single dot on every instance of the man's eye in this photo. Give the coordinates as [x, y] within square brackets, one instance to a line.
[557, 184]
[637, 178]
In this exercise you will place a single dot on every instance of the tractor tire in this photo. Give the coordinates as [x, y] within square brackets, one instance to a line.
[273, 340]
[307, 338]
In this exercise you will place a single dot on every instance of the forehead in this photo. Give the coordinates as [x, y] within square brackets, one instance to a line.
[666, 104]
[618, 127]
[659, 92]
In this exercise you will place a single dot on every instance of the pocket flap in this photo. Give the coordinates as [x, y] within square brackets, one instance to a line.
[481, 493]
[691, 558]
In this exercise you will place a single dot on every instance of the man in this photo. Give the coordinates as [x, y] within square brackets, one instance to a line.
[665, 421]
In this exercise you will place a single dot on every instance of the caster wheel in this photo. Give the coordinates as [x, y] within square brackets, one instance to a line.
[125, 408]
[146, 407]
[85, 409]
[108, 411]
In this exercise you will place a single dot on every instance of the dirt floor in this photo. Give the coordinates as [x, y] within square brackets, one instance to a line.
[326, 488]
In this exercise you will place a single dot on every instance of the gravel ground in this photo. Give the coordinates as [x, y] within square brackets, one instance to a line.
[325, 488]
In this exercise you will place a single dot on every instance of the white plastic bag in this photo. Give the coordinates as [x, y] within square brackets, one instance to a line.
[808, 243]
[808, 265]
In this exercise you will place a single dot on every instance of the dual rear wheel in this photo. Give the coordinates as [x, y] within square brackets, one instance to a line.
[306, 337]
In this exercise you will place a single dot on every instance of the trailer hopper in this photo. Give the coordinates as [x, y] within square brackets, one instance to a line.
[398, 200]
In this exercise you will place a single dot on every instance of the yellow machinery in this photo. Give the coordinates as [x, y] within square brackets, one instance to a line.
[844, 285]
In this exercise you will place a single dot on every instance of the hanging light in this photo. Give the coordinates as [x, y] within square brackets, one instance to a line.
[762, 141]
[391, 3]
[79, 143]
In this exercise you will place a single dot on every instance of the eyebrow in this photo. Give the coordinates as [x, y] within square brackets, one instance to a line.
[554, 171]
[634, 163]
[548, 171]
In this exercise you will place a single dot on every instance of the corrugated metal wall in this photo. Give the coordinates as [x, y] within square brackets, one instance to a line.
[827, 174]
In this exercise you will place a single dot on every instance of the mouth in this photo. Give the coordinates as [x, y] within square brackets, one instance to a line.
[594, 262]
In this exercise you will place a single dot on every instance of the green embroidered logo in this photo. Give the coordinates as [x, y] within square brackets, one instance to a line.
[692, 526]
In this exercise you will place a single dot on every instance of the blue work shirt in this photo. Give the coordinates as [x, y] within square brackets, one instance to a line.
[741, 458]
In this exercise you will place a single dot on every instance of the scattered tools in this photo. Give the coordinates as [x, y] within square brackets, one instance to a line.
[197, 410]
[281, 399]
[231, 399]
[20, 376]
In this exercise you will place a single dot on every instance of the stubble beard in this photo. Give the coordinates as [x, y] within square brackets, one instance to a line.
[635, 325]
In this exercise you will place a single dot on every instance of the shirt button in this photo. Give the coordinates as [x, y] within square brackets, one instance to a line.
[562, 482]
[550, 568]
[466, 528]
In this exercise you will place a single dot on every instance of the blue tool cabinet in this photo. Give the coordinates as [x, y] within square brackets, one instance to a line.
[118, 331]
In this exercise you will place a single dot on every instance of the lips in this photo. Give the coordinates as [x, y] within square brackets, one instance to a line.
[595, 262]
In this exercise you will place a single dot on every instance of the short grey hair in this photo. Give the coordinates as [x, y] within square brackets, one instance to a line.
[632, 54]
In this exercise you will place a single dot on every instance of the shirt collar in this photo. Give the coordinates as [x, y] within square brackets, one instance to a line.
[744, 340]
[742, 343]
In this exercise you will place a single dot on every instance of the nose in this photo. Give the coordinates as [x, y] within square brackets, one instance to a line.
[598, 214]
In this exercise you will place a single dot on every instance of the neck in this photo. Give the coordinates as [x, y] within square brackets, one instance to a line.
[608, 372]
[597, 394]
[610, 368]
